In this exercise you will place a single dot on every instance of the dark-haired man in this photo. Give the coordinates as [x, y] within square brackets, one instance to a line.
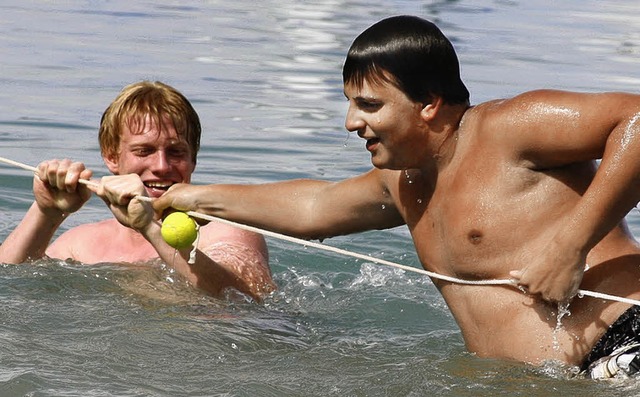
[504, 189]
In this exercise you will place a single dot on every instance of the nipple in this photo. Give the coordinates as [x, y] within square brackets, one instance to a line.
[475, 237]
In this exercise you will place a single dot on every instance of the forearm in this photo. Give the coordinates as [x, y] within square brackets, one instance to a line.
[29, 240]
[285, 207]
[304, 208]
[615, 189]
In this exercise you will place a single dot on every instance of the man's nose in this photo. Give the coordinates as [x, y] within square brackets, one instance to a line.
[353, 122]
[160, 161]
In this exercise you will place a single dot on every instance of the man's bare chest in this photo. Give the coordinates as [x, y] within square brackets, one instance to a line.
[112, 245]
[475, 223]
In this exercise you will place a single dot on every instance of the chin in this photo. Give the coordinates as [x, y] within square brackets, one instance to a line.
[377, 162]
[383, 165]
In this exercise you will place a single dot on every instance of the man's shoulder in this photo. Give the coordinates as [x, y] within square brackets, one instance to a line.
[527, 101]
[520, 99]
[219, 240]
[217, 231]
[504, 115]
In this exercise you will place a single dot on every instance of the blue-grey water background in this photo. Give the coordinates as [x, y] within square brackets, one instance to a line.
[265, 77]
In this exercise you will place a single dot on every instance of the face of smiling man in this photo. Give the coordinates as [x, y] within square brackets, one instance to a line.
[156, 153]
[390, 122]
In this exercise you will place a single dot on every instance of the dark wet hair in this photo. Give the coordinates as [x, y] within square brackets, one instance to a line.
[411, 53]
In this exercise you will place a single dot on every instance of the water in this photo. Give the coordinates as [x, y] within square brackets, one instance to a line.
[265, 78]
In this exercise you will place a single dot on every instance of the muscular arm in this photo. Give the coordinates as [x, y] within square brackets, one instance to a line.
[303, 208]
[552, 129]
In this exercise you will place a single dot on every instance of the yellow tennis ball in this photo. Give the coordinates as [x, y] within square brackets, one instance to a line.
[179, 230]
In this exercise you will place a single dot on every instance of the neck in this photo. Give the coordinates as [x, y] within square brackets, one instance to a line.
[445, 133]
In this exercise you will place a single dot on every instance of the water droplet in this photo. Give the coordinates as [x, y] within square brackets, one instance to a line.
[384, 207]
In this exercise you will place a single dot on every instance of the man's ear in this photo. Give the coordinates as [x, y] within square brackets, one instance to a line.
[430, 110]
[111, 161]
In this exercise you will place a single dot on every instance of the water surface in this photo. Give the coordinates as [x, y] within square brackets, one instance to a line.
[265, 78]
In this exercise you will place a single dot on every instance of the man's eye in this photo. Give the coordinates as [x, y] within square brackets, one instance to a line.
[369, 105]
[143, 152]
[178, 152]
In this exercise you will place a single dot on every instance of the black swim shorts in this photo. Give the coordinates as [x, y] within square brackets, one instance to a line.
[617, 353]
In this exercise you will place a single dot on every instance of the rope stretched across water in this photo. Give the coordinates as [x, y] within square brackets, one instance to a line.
[438, 276]
[340, 251]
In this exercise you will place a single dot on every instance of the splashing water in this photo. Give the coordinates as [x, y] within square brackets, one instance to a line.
[563, 310]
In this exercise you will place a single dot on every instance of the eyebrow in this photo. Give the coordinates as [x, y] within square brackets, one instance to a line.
[361, 97]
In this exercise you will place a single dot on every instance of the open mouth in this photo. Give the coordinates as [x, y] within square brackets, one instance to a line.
[372, 143]
[157, 189]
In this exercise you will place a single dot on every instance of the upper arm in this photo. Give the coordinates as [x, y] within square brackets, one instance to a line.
[554, 128]
[240, 257]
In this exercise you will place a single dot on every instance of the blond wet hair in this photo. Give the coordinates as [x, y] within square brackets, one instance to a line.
[153, 99]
